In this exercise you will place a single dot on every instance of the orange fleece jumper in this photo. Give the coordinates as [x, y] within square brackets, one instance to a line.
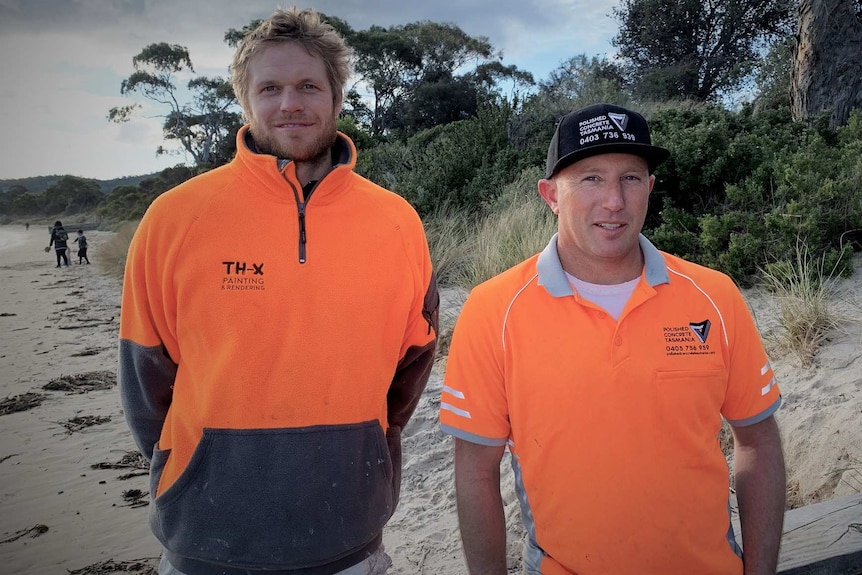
[272, 346]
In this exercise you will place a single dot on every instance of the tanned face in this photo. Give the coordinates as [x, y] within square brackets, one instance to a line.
[601, 202]
[291, 104]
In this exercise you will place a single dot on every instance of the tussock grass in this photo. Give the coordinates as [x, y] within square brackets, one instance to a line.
[113, 254]
[447, 233]
[518, 226]
[803, 288]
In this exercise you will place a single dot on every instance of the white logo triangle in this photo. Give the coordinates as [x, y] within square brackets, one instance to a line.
[621, 120]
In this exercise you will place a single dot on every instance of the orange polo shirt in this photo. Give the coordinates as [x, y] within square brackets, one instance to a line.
[612, 425]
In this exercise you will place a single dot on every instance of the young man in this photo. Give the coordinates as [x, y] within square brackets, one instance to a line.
[606, 367]
[278, 326]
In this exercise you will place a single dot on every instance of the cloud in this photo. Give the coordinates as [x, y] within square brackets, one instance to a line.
[52, 16]
[53, 107]
[62, 62]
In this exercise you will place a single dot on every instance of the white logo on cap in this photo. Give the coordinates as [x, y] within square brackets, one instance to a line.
[621, 120]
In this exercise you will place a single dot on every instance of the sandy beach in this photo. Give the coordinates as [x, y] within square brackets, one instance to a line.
[73, 495]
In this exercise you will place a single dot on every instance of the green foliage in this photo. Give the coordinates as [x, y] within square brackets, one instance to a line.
[581, 81]
[416, 78]
[679, 49]
[702, 159]
[64, 195]
[772, 76]
[436, 100]
[361, 139]
[128, 203]
[734, 243]
[742, 189]
[462, 165]
[72, 195]
[678, 232]
[36, 184]
[26, 204]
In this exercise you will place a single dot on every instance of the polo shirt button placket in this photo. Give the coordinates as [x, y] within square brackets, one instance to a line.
[618, 341]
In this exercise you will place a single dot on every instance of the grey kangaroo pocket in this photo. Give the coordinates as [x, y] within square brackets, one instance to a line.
[277, 498]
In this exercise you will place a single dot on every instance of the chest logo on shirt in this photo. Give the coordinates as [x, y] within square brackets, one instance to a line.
[688, 339]
[242, 276]
[701, 330]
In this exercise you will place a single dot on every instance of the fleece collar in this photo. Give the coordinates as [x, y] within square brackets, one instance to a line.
[277, 177]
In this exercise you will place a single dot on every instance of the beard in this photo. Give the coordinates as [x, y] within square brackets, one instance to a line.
[314, 150]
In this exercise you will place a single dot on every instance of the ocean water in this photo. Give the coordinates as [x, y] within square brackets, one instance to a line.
[11, 238]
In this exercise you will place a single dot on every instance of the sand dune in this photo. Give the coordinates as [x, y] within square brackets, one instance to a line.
[62, 461]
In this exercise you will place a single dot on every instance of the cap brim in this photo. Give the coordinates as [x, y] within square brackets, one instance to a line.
[654, 155]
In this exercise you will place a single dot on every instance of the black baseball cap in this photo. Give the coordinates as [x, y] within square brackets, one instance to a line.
[602, 129]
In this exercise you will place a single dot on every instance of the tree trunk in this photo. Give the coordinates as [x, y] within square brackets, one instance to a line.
[827, 66]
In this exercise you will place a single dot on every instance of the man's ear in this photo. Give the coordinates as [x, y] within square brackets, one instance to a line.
[337, 104]
[548, 191]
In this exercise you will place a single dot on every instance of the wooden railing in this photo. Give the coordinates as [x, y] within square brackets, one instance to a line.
[821, 539]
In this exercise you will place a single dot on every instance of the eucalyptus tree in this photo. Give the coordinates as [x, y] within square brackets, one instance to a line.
[202, 118]
[696, 49]
[827, 61]
[424, 74]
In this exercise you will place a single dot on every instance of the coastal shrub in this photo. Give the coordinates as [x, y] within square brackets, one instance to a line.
[678, 232]
[701, 160]
[461, 165]
[129, 202]
[767, 181]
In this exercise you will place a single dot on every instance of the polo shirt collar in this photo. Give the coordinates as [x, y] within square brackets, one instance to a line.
[554, 280]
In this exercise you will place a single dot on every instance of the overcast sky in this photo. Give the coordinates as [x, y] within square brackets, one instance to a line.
[62, 61]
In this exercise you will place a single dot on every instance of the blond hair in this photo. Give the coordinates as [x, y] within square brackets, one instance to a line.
[305, 27]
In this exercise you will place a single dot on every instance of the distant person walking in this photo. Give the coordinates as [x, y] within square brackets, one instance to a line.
[81, 240]
[59, 239]
[27, 226]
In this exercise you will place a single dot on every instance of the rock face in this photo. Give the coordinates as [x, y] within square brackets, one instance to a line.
[827, 66]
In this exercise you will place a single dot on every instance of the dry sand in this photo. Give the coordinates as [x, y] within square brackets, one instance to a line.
[61, 325]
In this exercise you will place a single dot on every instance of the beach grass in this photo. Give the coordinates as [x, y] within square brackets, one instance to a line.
[114, 252]
[467, 249]
[803, 288]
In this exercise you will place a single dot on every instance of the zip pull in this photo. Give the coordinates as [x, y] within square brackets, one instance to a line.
[302, 238]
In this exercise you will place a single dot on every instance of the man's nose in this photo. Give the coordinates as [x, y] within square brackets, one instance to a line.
[291, 101]
[614, 198]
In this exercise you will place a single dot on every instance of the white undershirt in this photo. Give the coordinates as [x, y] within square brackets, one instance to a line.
[611, 298]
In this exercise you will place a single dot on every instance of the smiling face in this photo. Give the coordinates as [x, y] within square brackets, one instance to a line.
[291, 105]
[601, 202]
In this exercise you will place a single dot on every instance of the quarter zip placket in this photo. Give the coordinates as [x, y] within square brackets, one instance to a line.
[302, 238]
[301, 205]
